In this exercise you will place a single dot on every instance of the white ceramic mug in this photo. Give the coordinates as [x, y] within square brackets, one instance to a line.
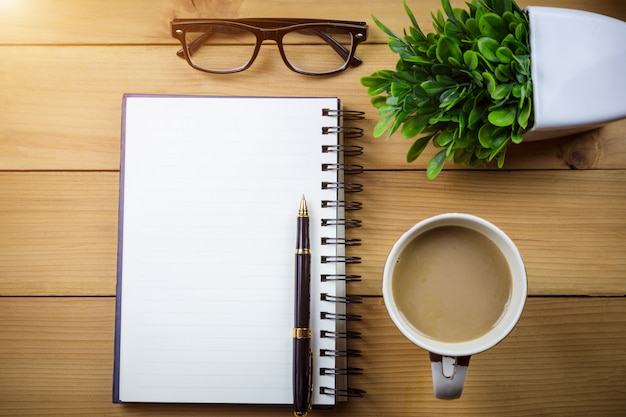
[449, 360]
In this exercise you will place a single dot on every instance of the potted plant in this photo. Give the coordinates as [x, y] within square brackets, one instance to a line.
[476, 85]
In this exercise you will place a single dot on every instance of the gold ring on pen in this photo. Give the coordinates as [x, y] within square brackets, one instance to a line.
[301, 333]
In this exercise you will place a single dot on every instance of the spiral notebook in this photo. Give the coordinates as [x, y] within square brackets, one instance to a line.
[209, 190]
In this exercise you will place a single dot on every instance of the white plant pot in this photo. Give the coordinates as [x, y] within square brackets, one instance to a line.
[578, 69]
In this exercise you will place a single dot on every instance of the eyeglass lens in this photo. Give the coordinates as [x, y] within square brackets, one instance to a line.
[315, 49]
[207, 46]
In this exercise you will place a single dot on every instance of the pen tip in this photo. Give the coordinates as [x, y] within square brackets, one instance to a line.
[303, 210]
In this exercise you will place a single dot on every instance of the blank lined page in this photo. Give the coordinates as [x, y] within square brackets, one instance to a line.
[210, 192]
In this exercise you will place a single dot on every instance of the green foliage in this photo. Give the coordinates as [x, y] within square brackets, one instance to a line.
[466, 87]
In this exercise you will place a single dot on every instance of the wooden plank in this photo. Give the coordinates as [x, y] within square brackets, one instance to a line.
[61, 107]
[568, 225]
[58, 233]
[59, 230]
[146, 22]
[602, 148]
[565, 358]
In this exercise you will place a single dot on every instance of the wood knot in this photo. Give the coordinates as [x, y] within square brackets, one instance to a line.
[582, 151]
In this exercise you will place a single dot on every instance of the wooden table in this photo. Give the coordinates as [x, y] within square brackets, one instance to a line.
[63, 69]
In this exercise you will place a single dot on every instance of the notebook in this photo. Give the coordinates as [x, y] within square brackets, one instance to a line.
[209, 192]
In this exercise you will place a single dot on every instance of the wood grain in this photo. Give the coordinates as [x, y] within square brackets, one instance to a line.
[58, 233]
[76, 95]
[87, 22]
[60, 229]
[568, 225]
[565, 358]
[63, 72]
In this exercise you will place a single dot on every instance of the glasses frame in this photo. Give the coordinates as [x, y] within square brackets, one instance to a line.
[272, 29]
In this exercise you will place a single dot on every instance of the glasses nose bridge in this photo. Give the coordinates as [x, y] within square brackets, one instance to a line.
[270, 35]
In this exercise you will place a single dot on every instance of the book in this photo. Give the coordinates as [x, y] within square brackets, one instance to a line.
[209, 188]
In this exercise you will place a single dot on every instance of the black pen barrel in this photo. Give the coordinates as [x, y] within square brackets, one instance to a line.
[302, 356]
[302, 291]
[302, 376]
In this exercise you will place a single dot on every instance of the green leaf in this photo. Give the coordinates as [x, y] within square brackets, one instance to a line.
[499, 144]
[491, 82]
[470, 58]
[462, 122]
[386, 110]
[513, 44]
[433, 87]
[501, 6]
[454, 62]
[412, 17]
[377, 83]
[462, 157]
[504, 55]
[417, 148]
[445, 137]
[382, 126]
[504, 116]
[471, 28]
[500, 154]
[436, 165]
[397, 45]
[384, 28]
[416, 59]
[488, 47]
[474, 117]
[416, 32]
[414, 125]
[510, 18]
[400, 88]
[478, 78]
[485, 135]
[461, 16]
[521, 33]
[502, 91]
[524, 114]
[445, 4]
[449, 81]
[503, 73]
[379, 102]
[491, 137]
[447, 48]
[441, 69]
[467, 140]
[483, 153]
[432, 50]
[450, 94]
[438, 21]
[493, 26]
[454, 30]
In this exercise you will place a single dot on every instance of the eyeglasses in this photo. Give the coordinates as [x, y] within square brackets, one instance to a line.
[307, 46]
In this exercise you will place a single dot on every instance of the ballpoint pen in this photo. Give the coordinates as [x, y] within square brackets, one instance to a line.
[302, 355]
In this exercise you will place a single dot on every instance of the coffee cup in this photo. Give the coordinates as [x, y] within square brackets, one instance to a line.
[454, 285]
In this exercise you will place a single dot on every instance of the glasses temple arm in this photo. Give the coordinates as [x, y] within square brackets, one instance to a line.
[194, 45]
[337, 46]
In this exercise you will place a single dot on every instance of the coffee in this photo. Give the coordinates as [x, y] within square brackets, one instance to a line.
[452, 284]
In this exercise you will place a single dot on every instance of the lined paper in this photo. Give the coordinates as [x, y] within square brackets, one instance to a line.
[210, 191]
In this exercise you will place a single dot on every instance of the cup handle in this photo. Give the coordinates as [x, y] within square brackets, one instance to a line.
[448, 375]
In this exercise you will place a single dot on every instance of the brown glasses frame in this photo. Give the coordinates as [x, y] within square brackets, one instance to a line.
[272, 29]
